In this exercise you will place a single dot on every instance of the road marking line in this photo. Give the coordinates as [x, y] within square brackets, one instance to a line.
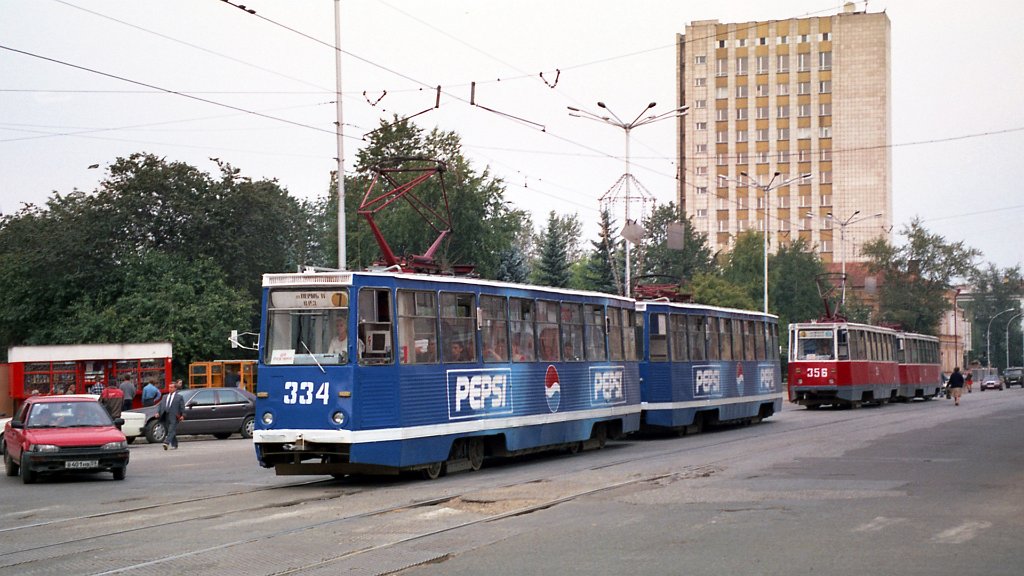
[878, 524]
[962, 533]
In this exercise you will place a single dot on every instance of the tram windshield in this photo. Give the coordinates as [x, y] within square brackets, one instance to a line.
[815, 345]
[307, 327]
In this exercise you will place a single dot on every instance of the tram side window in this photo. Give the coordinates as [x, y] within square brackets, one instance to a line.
[593, 319]
[901, 350]
[697, 338]
[657, 348]
[750, 327]
[374, 328]
[417, 327]
[725, 338]
[714, 347]
[760, 336]
[572, 332]
[494, 328]
[860, 345]
[843, 348]
[307, 327]
[520, 314]
[458, 322]
[630, 334]
[547, 331]
[677, 338]
[616, 352]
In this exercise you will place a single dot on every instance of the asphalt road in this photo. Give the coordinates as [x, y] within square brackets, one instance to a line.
[924, 488]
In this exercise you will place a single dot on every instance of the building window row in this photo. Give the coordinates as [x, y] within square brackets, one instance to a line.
[781, 39]
[761, 134]
[782, 63]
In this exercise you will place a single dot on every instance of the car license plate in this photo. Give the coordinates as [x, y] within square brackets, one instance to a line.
[79, 464]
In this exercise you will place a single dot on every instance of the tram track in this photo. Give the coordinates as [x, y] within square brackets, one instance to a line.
[709, 441]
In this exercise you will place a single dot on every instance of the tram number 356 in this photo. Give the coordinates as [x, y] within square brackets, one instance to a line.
[817, 372]
[302, 392]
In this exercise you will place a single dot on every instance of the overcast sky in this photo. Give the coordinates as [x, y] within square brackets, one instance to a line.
[83, 82]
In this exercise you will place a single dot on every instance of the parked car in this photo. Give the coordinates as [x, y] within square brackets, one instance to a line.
[1014, 375]
[217, 411]
[133, 424]
[60, 434]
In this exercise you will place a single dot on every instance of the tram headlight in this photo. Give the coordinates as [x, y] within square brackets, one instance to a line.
[338, 417]
[268, 418]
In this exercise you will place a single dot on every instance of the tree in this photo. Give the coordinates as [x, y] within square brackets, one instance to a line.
[483, 224]
[695, 256]
[714, 290]
[994, 291]
[792, 290]
[916, 277]
[595, 269]
[160, 251]
[745, 265]
[552, 268]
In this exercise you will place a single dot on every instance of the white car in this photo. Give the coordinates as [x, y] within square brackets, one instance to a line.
[133, 423]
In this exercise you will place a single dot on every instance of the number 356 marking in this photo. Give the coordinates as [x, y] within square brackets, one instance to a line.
[302, 392]
[817, 372]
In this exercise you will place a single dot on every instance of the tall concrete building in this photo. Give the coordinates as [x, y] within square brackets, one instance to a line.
[770, 101]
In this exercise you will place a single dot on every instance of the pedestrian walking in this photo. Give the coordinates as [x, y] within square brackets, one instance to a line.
[956, 385]
[128, 389]
[172, 411]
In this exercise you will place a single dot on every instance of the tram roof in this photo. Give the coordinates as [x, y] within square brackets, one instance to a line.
[326, 279]
[642, 305]
[870, 327]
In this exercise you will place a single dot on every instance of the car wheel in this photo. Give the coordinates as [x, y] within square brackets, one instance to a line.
[222, 435]
[120, 472]
[247, 426]
[28, 476]
[9, 465]
[155, 431]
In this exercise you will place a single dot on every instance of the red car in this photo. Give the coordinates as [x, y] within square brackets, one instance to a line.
[58, 434]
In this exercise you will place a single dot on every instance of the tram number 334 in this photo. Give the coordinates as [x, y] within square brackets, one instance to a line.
[302, 392]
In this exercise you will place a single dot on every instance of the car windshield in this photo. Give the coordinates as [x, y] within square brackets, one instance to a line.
[67, 415]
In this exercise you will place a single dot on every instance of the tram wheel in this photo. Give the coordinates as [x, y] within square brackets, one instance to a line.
[475, 453]
[433, 471]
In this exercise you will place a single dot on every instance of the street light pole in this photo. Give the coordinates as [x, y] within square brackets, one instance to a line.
[842, 242]
[1008, 322]
[988, 337]
[627, 127]
[766, 188]
[342, 255]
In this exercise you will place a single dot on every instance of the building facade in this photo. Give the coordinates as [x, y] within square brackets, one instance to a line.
[770, 101]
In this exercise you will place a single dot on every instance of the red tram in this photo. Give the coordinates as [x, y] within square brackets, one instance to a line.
[848, 364]
[841, 363]
[920, 366]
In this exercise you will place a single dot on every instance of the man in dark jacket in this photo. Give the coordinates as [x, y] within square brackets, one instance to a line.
[172, 411]
[956, 385]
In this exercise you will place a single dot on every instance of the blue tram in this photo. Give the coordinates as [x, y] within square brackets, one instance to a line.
[381, 372]
[707, 365]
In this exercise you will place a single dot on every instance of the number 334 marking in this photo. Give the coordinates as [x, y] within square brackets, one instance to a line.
[302, 392]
